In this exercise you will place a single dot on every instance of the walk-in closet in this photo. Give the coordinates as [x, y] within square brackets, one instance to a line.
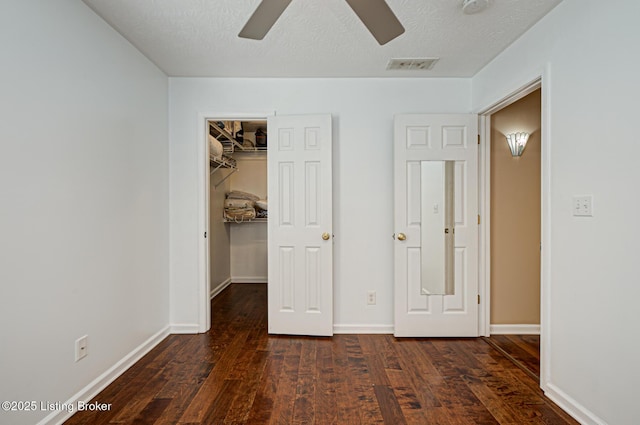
[238, 205]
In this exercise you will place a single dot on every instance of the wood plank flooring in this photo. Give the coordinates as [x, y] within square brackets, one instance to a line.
[523, 350]
[238, 374]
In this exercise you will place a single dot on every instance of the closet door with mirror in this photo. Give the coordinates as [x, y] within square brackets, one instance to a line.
[435, 224]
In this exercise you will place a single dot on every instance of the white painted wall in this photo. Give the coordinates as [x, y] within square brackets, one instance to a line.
[362, 112]
[587, 50]
[84, 245]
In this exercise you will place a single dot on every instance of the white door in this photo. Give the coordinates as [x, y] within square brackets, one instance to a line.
[300, 288]
[422, 137]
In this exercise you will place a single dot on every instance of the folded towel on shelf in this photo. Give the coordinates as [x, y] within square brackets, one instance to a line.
[238, 204]
[238, 194]
[261, 204]
[239, 214]
[215, 147]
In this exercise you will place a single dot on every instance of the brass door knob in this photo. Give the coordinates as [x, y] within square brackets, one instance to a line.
[402, 236]
[326, 236]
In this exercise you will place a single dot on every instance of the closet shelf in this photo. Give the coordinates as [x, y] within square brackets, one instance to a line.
[255, 220]
[250, 150]
[228, 136]
[222, 162]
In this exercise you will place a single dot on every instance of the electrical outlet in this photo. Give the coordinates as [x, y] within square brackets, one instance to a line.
[582, 206]
[81, 347]
[371, 298]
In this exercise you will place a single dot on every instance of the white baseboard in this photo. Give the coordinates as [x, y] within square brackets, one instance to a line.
[219, 288]
[572, 407]
[515, 329]
[184, 328]
[249, 279]
[102, 381]
[363, 329]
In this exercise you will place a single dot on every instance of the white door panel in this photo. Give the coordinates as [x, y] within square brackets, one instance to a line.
[300, 288]
[427, 137]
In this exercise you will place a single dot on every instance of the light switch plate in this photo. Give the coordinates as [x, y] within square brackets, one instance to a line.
[583, 206]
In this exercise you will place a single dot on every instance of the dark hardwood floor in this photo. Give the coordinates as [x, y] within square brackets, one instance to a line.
[523, 350]
[238, 374]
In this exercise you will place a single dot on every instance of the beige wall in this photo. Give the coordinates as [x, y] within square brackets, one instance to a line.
[515, 216]
[238, 251]
[219, 240]
[249, 240]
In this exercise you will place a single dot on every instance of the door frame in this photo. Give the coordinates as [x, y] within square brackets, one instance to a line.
[484, 169]
[204, 213]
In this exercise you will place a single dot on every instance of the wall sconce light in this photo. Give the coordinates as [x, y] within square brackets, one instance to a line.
[517, 142]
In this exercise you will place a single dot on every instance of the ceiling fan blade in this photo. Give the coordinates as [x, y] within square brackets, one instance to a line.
[263, 19]
[379, 19]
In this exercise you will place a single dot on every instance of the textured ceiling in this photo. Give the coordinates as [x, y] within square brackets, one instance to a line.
[316, 38]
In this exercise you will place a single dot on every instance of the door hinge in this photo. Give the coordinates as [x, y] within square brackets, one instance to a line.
[478, 298]
[478, 139]
[478, 218]
[205, 235]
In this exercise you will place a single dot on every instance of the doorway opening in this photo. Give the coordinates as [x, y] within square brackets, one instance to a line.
[236, 203]
[297, 255]
[513, 199]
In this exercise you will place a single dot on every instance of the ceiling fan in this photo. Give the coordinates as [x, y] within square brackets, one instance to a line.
[376, 15]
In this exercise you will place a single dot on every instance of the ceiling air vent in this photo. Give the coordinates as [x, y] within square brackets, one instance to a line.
[412, 64]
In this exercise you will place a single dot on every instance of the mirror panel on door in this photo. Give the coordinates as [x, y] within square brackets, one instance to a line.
[437, 227]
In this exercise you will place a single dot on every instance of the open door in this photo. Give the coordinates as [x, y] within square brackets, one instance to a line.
[420, 140]
[300, 288]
